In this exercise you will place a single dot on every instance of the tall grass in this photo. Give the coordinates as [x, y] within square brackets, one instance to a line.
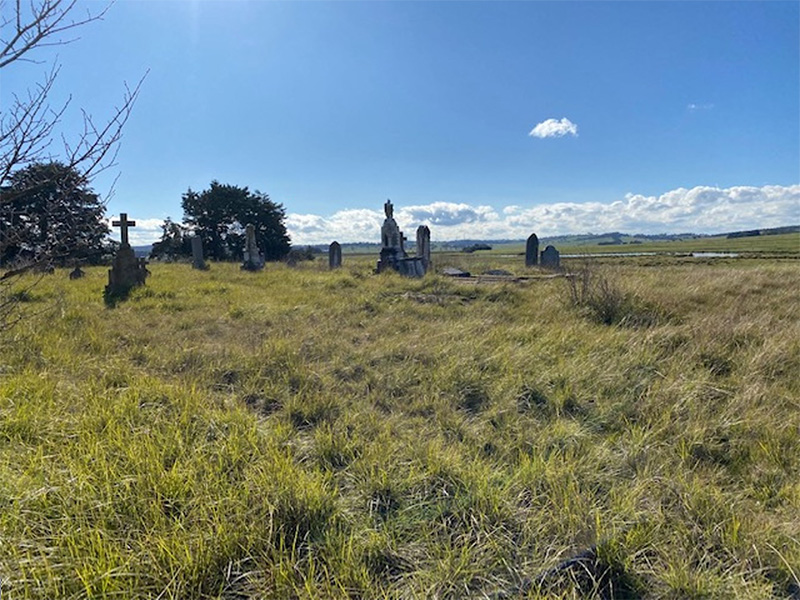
[313, 434]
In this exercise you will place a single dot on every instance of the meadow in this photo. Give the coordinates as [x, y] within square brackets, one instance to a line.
[300, 433]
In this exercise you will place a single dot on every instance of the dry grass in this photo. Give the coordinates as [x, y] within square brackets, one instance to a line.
[301, 433]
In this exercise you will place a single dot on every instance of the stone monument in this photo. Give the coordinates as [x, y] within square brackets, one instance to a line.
[532, 251]
[334, 255]
[393, 253]
[127, 271]
[197, 253]
[424, 245]
[551, 258]
[253, 259]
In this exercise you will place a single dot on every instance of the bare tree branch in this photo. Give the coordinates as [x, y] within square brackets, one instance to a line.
[27, 128]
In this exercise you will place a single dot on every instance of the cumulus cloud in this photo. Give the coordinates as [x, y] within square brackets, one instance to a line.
[700, 209]
[145, 232]
[554, 128]
[445, 214]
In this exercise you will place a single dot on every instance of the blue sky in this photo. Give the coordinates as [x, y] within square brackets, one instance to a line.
[648, 116]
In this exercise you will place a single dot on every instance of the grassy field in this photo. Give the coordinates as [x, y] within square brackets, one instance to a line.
[298, 433]
[785, 245]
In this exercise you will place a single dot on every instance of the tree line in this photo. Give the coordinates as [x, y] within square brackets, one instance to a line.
[50, 210]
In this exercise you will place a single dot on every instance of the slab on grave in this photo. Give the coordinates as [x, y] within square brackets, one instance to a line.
[532, 251]
[334, 255]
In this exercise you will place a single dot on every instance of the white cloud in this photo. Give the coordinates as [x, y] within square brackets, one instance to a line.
[554, 128]
[695, 107]
[701, 209]
[145, 232]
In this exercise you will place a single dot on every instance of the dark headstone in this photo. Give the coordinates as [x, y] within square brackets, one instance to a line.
[197, 253]
[334, 255]
[76, 273]
[424, 245]
[551, 259]
[532, 251]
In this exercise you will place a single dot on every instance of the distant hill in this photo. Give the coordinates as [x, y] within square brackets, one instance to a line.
[614, 238]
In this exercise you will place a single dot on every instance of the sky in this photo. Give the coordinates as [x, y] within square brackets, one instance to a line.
[482, 120]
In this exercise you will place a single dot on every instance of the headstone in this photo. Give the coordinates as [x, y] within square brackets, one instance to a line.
[197, 253]
[127, 271]
[532, 251]
[76, 273]
[424, 245]
[334, 255]
[253, 259]
[392, 251]
[551, 259]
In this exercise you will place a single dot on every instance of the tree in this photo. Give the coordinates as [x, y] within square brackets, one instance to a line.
[174, 242]
[52, 213]
[220, 214]
[28, 124]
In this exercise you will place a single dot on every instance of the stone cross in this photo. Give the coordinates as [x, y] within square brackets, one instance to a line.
[532, 251]
[123, 224]
[335, 255]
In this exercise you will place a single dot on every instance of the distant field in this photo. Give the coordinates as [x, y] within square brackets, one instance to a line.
[782, 244]
[300, 433]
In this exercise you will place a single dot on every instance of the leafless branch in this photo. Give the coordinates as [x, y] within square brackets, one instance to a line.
[38, 25]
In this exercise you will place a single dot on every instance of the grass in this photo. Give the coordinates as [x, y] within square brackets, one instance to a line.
[785, 244]
[299, 433]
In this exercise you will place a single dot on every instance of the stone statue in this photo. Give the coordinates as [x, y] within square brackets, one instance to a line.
[388, 209]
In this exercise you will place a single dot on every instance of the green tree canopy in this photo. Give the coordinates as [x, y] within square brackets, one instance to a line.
[220, 214]
[174, 242]
[49, 212]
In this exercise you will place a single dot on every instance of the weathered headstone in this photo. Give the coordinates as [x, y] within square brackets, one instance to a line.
[532, 251]
[127, 271]
[551, 259]
[393, 253]
[253, 259]
[424, 245]
[334, 255]
[197, 253]
[76, 273]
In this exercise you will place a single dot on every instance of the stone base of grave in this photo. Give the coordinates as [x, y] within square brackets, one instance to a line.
[127, 271]
[253, 261]
[408, 266]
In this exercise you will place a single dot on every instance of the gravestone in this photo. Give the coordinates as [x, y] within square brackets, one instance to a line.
[532, 251]
[197, 253]
[127, 271]
[76, 273]
[393, 252]
[424, 245]
[551, 259]
[334, 255]
[253, 259]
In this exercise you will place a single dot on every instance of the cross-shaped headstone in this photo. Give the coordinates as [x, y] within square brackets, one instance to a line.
[123, 224]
